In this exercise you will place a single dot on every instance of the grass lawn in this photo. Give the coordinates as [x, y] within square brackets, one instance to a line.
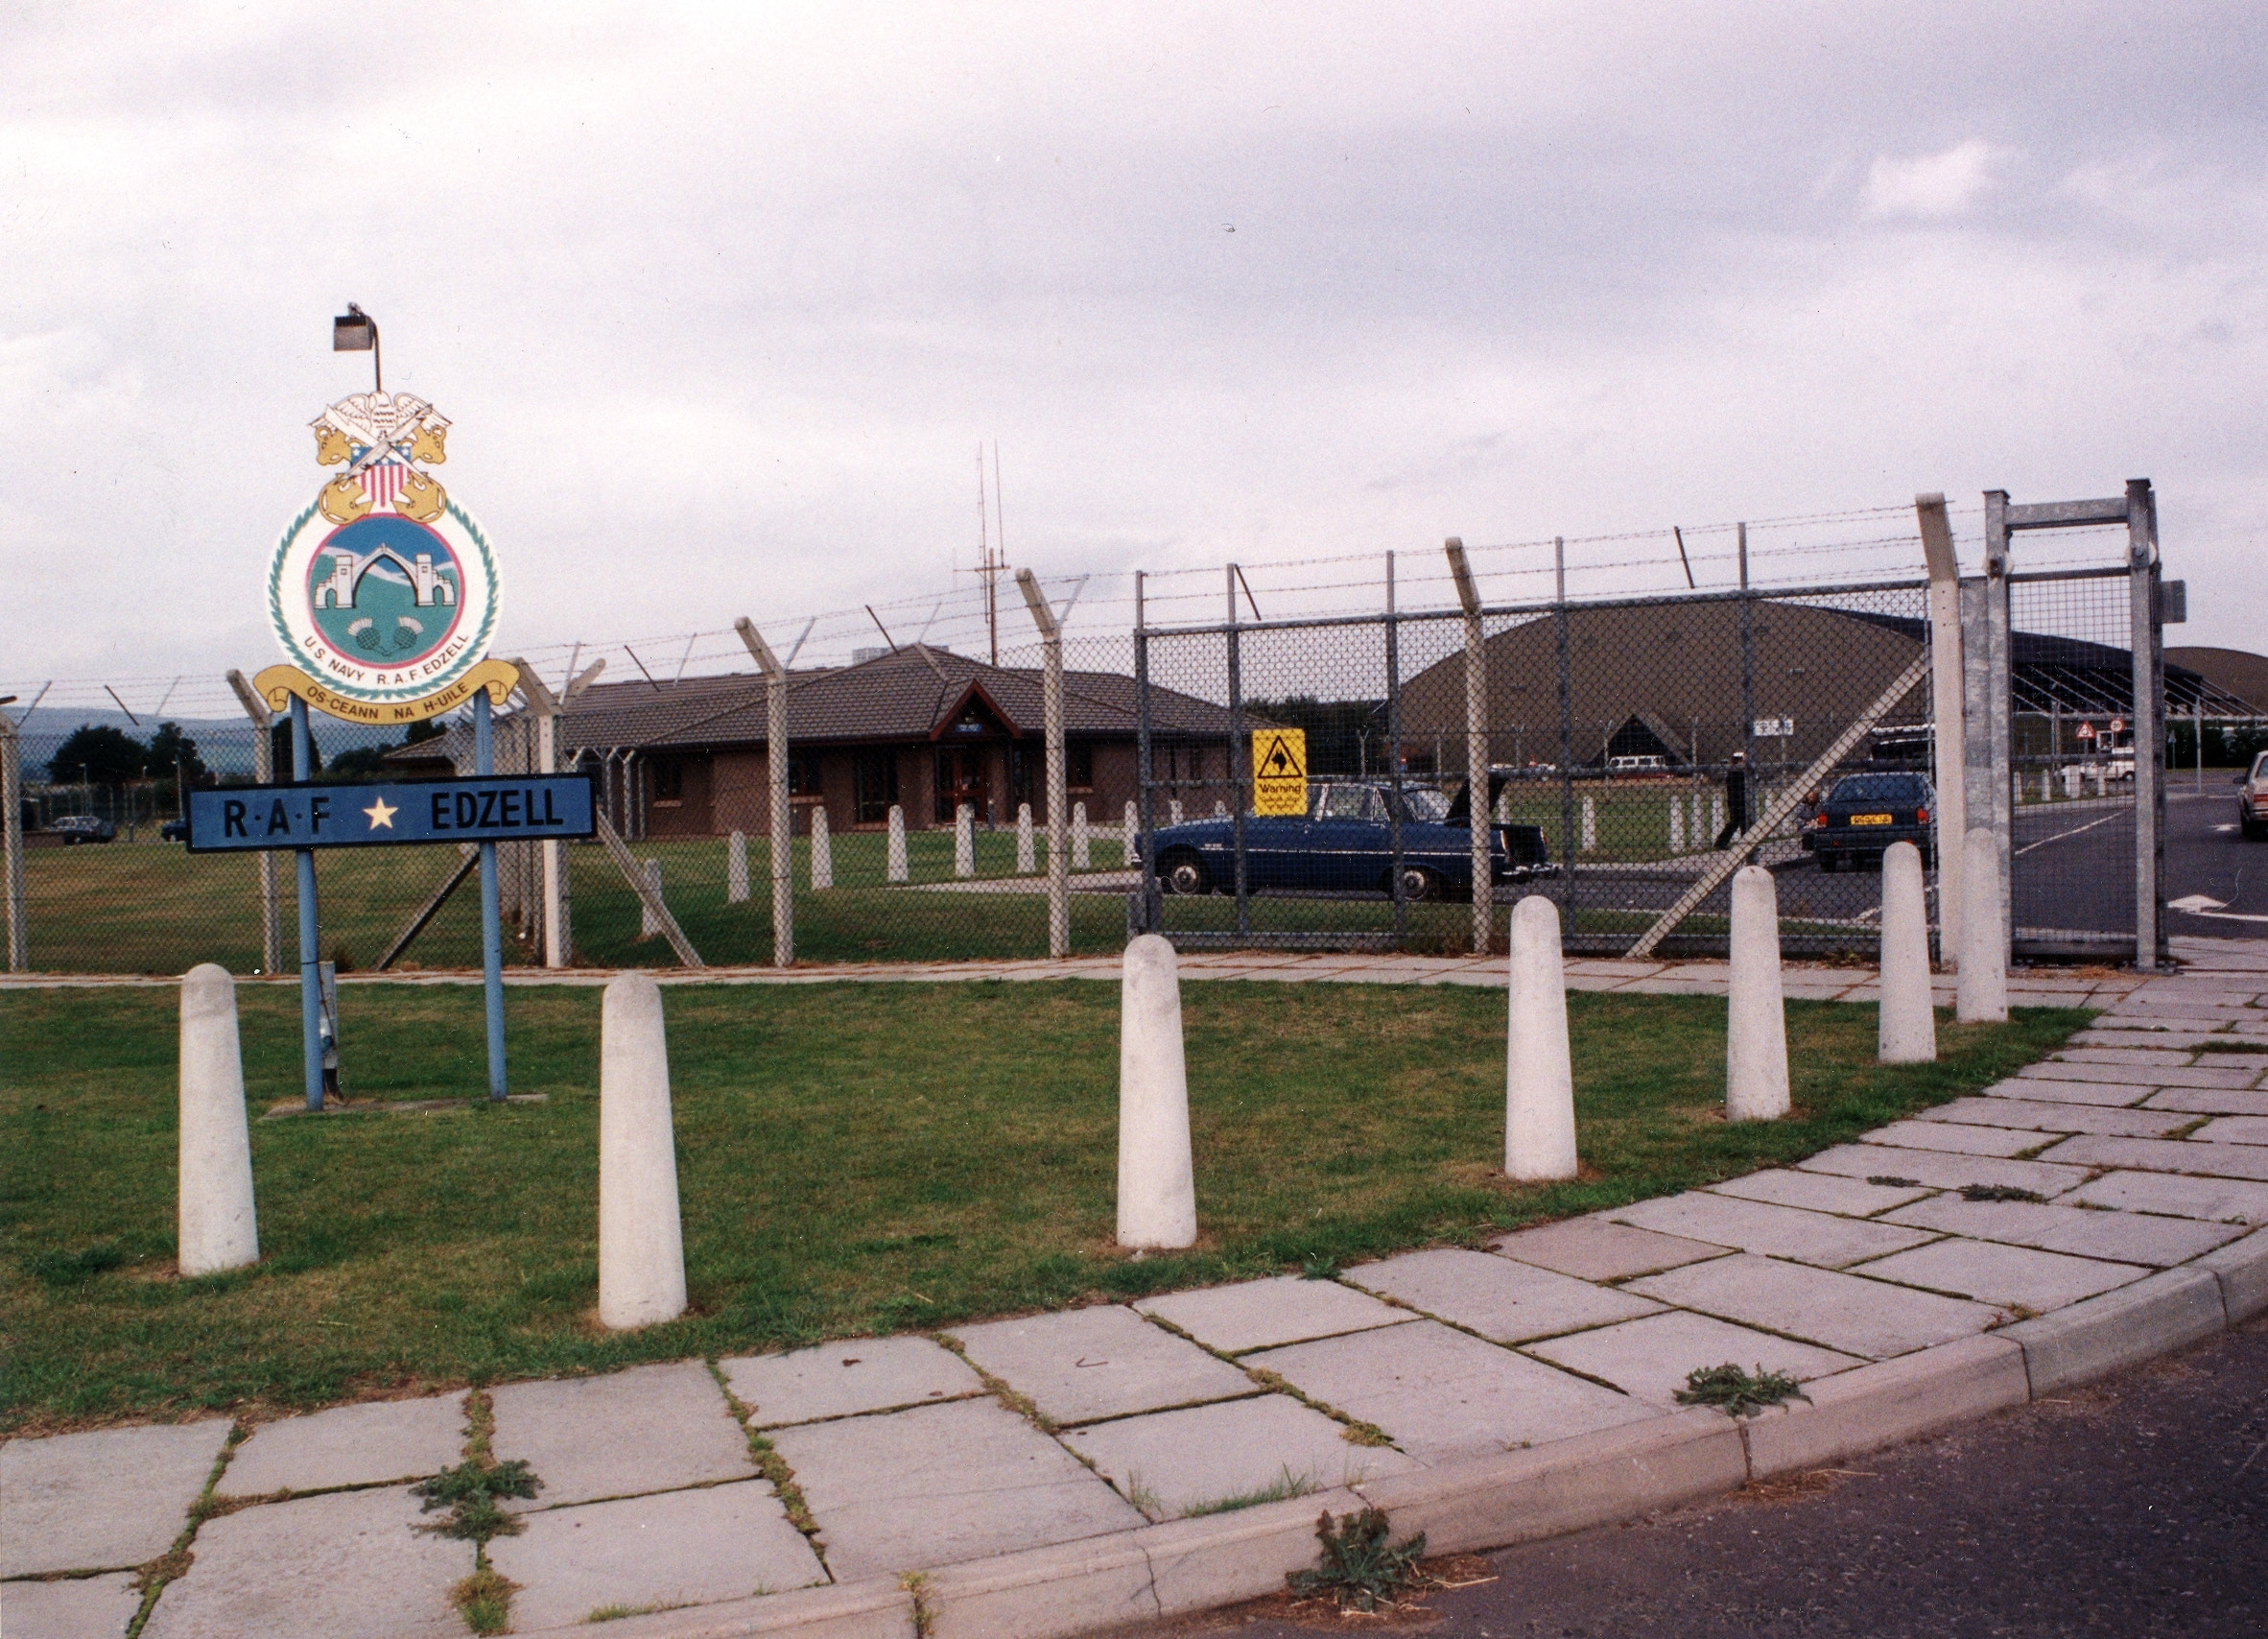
[853, 1159]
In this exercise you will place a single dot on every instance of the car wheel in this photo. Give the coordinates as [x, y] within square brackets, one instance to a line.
[1184, 872]
[2255, 833]
[1418, 883]
[1826, 863]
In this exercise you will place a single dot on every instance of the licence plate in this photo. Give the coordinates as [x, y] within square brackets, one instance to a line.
[1870, 818]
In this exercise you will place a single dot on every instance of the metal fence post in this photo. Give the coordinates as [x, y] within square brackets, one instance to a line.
[1235, 709]
[1567, 841]
[264, 772]
[1052, 714]
[11, 842]
[1476, 758]
[311, 999]
[491, 913]
[782, 814]
[2145, 637]
[1152, 919]
[557, 943]
[1753, 794]
[1394, 754]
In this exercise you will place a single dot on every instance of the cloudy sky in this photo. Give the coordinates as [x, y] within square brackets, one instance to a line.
[722, 299]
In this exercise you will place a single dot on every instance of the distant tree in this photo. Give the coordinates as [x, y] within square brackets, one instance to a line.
[1344, 736]
[364, 763]
[172, 751]
[279, 745]
[100, 754]
[429, 729]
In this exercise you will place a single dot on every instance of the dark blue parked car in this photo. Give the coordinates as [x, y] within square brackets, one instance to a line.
[1344, 844]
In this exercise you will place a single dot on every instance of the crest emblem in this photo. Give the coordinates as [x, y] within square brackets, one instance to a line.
[383, 590]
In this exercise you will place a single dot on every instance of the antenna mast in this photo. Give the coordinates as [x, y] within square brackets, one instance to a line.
[992, 549]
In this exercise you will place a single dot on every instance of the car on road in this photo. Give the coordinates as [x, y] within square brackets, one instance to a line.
[76, 828]
[1862, 815]
[2252, 800]
[1344, 844]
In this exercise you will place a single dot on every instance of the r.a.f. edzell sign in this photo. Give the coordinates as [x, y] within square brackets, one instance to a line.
[502, 808]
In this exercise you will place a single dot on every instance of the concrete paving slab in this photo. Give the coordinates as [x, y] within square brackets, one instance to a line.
[2043, 1117]
[1653, 1358]
[1942, 1168]
[2120, 1056]
[1496, 1296]
[2008, 1276]
[110, 1500]
[1818, 1192]
[1265, 1313]
[2114, 1093]
[348, 1565]
[2219, 1200]
[2199, 1101]
[698, 1547]
[1781, 1231]
[2231, 1129]
[1440, 1394]
[942, 1484]
[349, 1445]
[1598, 1249]
[2164, 1156]
[1175, 1464]
[1835, 1311]
[839, 1380]
[653, 1427]
[85, 1608]
[2169, 1077]
[2121, 1237]
[1961, 1139]
[1104, 1361]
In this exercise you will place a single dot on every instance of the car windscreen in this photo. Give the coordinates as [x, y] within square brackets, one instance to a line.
[1425, 807]
[1876, 788]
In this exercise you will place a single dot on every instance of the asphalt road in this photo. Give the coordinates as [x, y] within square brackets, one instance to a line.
[2137, 1506]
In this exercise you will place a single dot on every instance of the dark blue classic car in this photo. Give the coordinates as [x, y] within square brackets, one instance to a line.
[1344, 844]
[1864, 814]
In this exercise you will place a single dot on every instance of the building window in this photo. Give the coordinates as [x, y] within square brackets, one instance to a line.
[669, 780]
[874, 785]
[1078, 765]
[803, 773]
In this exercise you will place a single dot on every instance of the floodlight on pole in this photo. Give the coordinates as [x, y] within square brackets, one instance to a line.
[355, 331]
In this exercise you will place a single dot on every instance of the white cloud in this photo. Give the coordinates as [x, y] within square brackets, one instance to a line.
[1933, 185]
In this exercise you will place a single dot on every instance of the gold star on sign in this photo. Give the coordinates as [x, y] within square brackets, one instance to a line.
[381, 814]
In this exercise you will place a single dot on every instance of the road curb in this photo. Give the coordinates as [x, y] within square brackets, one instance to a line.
[2243, 1270]
[1893, 1400]
[2120, 1328]
[876, 1607]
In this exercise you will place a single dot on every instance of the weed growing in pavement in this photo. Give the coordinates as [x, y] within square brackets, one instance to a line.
[469, 1492]
[1999, 1191]
[484, 1599]
[1736, 1393]
[1890, 1180]
[1281, 1490]
[1359, 1567]
[1320, 1268]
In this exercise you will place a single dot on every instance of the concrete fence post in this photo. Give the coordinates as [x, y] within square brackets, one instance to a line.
[650, 924]
[1130, 834]
[1539, 1069]
[783, 812]
[736, 869]
[822, 849]
[1051, 630]
[1983, 995]
[641, 1237]
[1025, 864]
[219, 1227]
[1907, 1034]
[12, 847]
[965, 840]
[1483, 887]
[1082, 856]
[1756, 1024]
[263, 774]
[1157, 1185]
[895, 863]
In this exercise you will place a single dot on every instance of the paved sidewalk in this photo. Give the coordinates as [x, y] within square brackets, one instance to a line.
[1062, 1471]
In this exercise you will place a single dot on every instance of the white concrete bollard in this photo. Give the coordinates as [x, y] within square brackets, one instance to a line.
[1173, 811]
[1677, 825]
[1082, 855]
[1716, 817]
[1219, 809]
[1024, 861]
[1755, 1025]
[641, 1238]
[1130, 834]
[965, 840]
[1907, 1034]
[1157, 1184]
[736, 869]
[897, 846]
[1983, 995]
[1590, 824]
[822, 850]
[1539, 1070]
[219, 1227]
[650, 924]
[2101, 781]
[2072, 782]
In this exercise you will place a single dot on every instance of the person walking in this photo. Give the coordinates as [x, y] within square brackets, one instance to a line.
[1736, 801]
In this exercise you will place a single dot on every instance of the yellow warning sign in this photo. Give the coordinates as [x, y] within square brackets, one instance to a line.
[1280, 772]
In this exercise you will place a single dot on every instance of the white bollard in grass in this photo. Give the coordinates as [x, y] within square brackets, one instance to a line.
[641, 1238]
[219, 1227]
[1907, 1034]
[736, 869]
[965, 840]
[1590, 824]
[822, 850]
[1504, 806]
[897, 846]
[1539, 1071]
[650, 924]
[1173, 811]
[1157, 1185]
[1130, 834]
[1677, 825]
[1755, 1026]
[2102, 779]
[1983, 995]
[1716, 817]
[2071, 782]
[1025, 866]
[1219, 809]
[1082, 854]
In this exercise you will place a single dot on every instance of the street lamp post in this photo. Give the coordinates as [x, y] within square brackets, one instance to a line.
[355, 331]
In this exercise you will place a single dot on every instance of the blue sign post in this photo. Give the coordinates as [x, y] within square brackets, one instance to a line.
[501, 808]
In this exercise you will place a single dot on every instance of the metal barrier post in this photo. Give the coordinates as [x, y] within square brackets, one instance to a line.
[311, 999]
[11, 842]
[264, 772]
